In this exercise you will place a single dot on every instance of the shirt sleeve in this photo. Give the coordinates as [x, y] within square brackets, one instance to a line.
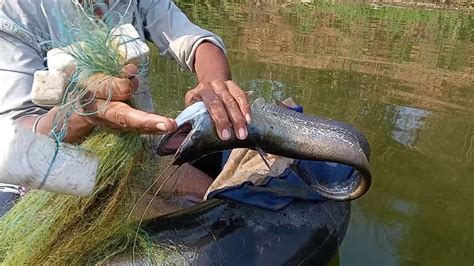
[171, 31]
[18, 63]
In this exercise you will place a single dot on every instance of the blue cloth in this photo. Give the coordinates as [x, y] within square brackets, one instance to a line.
[280, 191]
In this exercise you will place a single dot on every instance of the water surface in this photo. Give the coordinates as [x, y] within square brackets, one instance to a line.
[402, 75]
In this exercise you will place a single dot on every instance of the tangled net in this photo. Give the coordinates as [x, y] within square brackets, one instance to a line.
[48, 228]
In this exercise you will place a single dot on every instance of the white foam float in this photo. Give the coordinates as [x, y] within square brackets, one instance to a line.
[49, 86]
[25, 158]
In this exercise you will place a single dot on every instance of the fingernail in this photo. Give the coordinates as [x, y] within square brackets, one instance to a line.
[225, 134]
[242, 133]
[247, 117]
[162, 126]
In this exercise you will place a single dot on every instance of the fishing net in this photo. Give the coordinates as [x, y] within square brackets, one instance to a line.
[48, 228]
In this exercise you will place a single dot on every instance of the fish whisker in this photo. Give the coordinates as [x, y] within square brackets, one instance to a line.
[149, 204]
[264, 157]
[149, 188]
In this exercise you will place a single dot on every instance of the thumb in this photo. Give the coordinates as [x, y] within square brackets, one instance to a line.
[129, 71]
[191, 97]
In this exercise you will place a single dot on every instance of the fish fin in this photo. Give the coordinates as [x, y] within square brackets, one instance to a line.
[264, 156]
[289, 102]
[281, 104]
[261, 152]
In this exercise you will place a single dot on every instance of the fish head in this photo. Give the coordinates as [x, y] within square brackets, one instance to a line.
[170, 143]
[192, 124]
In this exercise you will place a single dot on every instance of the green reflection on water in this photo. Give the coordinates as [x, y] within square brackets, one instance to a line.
[402, 76]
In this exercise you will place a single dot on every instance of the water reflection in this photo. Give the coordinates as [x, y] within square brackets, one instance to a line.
[407, 122]
[403, 207]
[403, 76]
[268, 89]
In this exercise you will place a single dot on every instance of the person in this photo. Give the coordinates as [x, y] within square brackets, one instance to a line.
[162, 23]
[26, 25]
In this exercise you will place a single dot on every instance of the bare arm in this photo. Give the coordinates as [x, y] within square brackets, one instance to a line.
[201, 51]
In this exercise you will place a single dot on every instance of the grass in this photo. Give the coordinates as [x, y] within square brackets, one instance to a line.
[396, 20]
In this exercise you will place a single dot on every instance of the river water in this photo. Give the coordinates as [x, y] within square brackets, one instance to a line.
[402, 75]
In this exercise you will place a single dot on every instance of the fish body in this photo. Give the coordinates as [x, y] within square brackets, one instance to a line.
[279, 131]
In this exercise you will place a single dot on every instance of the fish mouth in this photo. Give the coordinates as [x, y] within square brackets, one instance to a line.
[170, 143]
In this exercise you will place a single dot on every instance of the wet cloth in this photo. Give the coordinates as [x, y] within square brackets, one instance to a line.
[275, 190]
[245, 165]
[27, 26]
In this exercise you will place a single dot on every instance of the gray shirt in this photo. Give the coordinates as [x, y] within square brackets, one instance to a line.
[25, 25]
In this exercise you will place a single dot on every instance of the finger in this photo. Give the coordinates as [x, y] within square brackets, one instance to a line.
[241, 97]
[130, 119]
[232, 107]
[134, 83]
[129, 71]
[191, 97]
[216, 109]
[107, 87]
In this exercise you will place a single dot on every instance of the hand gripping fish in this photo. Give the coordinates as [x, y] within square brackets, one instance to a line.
[279, 131]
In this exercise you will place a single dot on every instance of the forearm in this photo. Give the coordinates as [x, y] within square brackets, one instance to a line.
[77, 129]
[211, 64]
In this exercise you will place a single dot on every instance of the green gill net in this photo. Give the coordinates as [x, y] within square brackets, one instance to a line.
[49, 228]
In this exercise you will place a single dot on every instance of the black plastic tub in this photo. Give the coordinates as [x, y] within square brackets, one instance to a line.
[223, 232]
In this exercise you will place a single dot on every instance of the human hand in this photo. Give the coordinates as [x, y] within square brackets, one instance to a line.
[116, 114]
[227, 104]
